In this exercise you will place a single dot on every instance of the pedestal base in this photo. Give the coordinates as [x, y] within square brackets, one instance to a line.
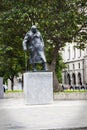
[1, 88]
[38, 87]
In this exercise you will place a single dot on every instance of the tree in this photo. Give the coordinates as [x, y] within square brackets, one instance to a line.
[11, 54]
[59, 21]
[11, 64]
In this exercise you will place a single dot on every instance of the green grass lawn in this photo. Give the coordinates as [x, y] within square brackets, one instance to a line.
[8, 91]
[65, 91]
[71, 91]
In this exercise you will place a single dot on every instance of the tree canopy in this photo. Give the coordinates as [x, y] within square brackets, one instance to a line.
[59, 21]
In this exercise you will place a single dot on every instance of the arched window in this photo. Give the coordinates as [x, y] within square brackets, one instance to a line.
[68, 79]
[73, 79]
[79, 79]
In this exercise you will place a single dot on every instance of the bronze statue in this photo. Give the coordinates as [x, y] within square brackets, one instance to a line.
[33, 42]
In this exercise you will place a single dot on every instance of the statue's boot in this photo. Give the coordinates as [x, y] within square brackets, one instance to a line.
[45, 66]
[34, 67]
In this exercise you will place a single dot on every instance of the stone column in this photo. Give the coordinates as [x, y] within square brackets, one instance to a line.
[1, 88]
[85, 70]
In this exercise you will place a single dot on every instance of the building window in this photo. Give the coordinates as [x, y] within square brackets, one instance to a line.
[68, 53]
[73, 79]
[79, 53]
[68, 79]
[79, 79]
[79, 65]
[73, 66]
[74, 52]
[65, 78]
[68, 67]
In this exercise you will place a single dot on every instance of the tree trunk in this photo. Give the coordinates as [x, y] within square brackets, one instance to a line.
[12, 82]
[56, 86]
[52, 67]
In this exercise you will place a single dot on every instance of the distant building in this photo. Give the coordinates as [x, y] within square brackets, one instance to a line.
[76, 62]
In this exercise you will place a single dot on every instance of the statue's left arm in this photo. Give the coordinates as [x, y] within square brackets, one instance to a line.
[26, 39]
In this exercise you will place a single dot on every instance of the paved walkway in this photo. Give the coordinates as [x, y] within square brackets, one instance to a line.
[16, 115]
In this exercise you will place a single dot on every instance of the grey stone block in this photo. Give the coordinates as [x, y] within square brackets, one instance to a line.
[38, 87]
[1, 88]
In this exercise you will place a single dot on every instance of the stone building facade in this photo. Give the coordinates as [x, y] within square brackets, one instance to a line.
[75, 73]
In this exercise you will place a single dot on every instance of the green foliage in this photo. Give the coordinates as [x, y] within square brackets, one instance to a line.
[59, 21]
[14, 91]
[59, 67]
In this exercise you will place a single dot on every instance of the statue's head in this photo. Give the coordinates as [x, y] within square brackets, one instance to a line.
[34, 29]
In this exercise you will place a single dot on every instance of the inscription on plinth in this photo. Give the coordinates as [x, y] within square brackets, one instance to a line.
[38, 87]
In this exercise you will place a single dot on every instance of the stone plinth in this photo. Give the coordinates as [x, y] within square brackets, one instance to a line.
[38, 87]
[1, 88]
